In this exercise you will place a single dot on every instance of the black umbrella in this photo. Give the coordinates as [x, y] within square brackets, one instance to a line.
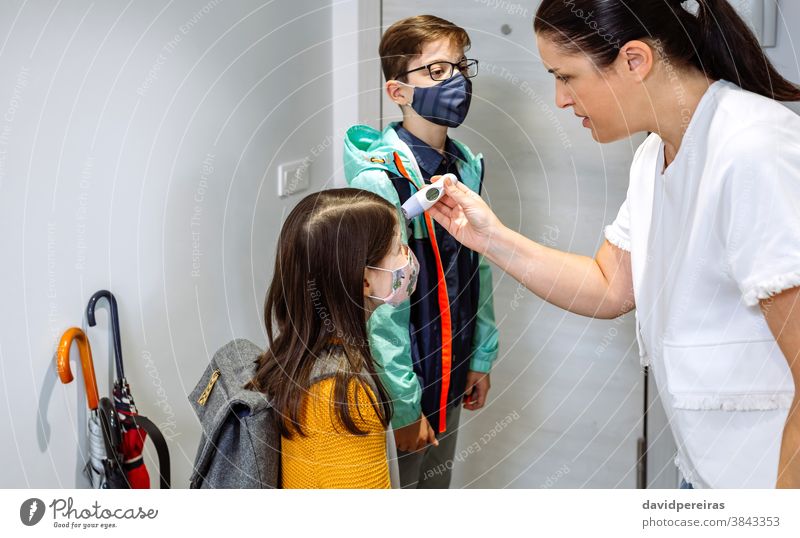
[132, 427]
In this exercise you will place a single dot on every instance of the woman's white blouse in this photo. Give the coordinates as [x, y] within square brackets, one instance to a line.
[709, 238]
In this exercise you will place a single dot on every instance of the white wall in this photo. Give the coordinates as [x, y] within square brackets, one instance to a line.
[357, 79]
[133, 136]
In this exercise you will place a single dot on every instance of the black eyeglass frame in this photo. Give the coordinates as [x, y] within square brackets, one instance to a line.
[466, 62]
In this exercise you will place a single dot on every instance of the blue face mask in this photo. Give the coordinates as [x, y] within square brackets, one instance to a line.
[447, 103]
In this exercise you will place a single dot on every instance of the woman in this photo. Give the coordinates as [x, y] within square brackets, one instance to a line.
[706, 246]
[339, 257]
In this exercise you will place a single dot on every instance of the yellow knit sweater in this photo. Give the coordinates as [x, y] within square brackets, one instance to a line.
[329, 456]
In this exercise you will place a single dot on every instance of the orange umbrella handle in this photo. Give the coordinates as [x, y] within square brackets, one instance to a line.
[62, 362]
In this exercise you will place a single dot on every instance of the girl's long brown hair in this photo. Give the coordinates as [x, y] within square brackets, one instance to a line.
[317, 295]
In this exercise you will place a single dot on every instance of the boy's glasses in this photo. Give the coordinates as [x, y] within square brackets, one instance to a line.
[439, 71]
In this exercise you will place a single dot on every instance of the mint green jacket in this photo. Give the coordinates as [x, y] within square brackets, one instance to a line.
[368, 161]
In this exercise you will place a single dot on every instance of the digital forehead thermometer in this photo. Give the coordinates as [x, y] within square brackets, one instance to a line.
[426, 197]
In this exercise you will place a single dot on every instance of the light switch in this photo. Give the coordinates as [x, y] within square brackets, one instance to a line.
[293, 177]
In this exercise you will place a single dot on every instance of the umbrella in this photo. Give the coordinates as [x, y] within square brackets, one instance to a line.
[103, 467]
[133, 427]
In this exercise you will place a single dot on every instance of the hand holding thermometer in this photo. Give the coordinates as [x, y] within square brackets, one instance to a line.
[426, 197]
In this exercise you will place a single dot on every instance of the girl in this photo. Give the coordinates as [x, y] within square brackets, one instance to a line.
[706, 246]
[339, 257]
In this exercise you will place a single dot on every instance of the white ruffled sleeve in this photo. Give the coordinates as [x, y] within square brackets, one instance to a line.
[618, 232]
[760, 213]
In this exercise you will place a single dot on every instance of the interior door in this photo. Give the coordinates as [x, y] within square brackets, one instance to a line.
[566, 405]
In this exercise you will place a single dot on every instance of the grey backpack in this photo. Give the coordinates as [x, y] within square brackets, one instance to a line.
[240, 445]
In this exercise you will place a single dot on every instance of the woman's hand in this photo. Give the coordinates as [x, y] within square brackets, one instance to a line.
[466, 216]
[600, 287]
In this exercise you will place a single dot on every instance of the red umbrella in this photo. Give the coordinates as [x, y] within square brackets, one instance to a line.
[133, 437]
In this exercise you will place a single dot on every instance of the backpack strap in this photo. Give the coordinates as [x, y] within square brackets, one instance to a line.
[330, 363]
[161, 449]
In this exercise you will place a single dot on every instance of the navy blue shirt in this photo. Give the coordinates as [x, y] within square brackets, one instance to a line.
[431, 162]
[460, 268]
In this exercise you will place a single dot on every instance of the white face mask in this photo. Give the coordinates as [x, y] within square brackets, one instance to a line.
[404, 280]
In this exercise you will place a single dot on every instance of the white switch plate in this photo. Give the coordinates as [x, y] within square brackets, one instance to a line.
[293, 177]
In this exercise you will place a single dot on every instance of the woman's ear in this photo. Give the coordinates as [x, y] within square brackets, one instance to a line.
[637, 57]
[398, 93]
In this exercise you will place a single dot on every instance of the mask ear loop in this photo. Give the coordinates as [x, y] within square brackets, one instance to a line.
[412, 91]
[408, 262]
[392, 272]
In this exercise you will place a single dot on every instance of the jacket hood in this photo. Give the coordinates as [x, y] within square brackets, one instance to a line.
[366, 148]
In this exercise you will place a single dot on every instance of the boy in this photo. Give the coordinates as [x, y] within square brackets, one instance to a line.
[434, 353]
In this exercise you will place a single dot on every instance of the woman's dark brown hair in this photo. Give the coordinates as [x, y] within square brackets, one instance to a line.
[317, 295]
[714, 40]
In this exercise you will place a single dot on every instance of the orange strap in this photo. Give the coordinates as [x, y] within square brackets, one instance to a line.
[444, 310]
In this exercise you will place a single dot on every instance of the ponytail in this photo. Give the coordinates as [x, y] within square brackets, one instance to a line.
[727, 49]
[714, 39]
